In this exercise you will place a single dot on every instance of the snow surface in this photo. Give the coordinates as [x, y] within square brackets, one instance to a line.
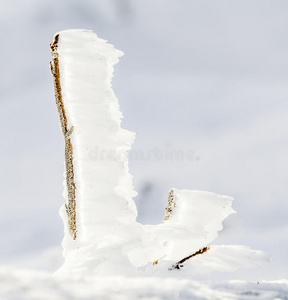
[109, 240]
[29, 284]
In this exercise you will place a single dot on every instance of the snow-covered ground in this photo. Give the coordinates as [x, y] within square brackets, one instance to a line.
[204, 78]
[27, 284]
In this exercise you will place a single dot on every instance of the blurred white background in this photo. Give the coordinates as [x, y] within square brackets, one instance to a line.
[204, 77]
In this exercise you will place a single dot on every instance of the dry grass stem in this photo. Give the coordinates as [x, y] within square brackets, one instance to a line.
[69, 170]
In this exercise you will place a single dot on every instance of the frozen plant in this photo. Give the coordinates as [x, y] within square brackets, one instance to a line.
[102, 236]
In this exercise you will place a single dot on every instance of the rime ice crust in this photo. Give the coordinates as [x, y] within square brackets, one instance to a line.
[109, 240]
[104, 188]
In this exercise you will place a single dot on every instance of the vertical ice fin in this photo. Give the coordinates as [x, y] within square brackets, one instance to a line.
[69, 170]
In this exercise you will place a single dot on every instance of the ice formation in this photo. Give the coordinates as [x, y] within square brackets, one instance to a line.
[109, 240]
